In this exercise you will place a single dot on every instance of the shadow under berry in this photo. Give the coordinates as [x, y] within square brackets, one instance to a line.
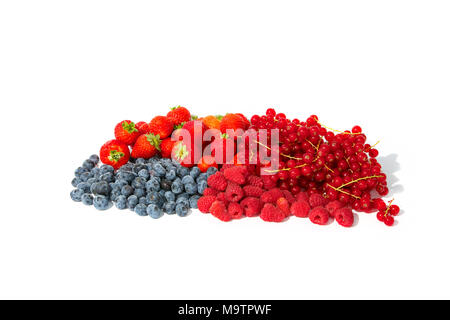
[390, 166]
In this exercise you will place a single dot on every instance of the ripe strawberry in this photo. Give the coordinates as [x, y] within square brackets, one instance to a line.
[146, 146]
[115, 153]
[166, 147]
[143, 127]
[211, 122]
[178, 115]
[196, 129]
[247, 123]
[223, 149]
[206, 162]
[126, 132]
[161, 126]
[232, 121]
[184, 154]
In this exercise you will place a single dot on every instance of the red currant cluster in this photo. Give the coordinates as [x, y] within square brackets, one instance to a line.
[340, 165]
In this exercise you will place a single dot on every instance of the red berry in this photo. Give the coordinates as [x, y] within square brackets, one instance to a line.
[389, 221]
[319, 215]
[394, 210]
[381, 216]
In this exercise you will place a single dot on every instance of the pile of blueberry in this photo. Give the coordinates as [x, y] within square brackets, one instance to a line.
[148, 187]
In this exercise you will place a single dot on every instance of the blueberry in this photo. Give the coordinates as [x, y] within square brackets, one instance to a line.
[139, 167]
[132, 201]
[166, 162]
[90, 181]
[182, 171]
[96, 172]
[115, 194]
[143, 173]
[202, 185]
[159, 169]
[140, 192]
[121, 202]
[153, 185]
[183, 201]
[154, 211]
[87, 199]
[79, 171]
[76, 195]
[181, 209]
[141, 209]
[171, 175]
[166, 185]
[101, 203]
[170, 196]
[84, 186]
[75, 181]
[193, 201]
[140, 161]
[191, 188]
[143, 200]
[211, 171]
[106, 168]
[155, 198]
[85, 176]
[121, 182]
[187, 179]
[177, 187]
[162, 193]
[108, 177]
[201, 177]
[128, 167]
[195, 172]
[127, 190]
[88, 164]
[169, 207]
[101, 188]
[139, 182]
[94, 158]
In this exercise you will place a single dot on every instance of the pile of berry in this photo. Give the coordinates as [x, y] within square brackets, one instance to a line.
[148, 187]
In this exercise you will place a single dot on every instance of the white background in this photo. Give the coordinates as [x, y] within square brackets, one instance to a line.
[70, 70]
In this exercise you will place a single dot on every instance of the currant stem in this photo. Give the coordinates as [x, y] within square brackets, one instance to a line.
[347, 193]
[356, 180]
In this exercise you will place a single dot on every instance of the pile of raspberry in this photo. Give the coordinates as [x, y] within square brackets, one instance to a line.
[237, 191]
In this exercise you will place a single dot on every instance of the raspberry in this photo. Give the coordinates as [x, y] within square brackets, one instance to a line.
[234, 192]
[217, 181]
[236, 174]
[333, 206]
[283, 205]
[344, 216]
[302, 196]
[205, 202]
[251, 191]
[219, 210]
[255, 181]
[316, 200]
[225, 167]
[289, 197]
[251, 206]
[270, 213]
[268, 182]
[221, 196]
[235, 210]
[300, 209]
[272, 195]
[210, 192]
[319, 215]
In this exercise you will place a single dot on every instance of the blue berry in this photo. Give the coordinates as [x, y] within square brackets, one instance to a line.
[85, 176]
[141, 161]
[166, 185]
[154, 211]
[139, 182]
[127, 190]
[100, 188]
[143, 200]
[140, 192]
[155, 198]
[128, 176]
[202, 185]
[187, 179]
[159, 169]
[132, 201]
[181, 209]
[79, 171]
[121, 202]
[88, 164]
[202, 177]
[108, 177]
[171, 175]
[84, 186]
[76, 195]
[211, 171]
[96, 172]
[121, 182]
[183, 201]
[195, 172]
[106, 168]
[170, 196]
[94, 158]
[141, 209]
[87, 199]
[177, 187]
[169, 207]
[101, 203]
[182, 171]
[75, 181]
[90, 181]
[115, 194]
[193, 201]
[143, 173]
[191, 188]
[153, 185]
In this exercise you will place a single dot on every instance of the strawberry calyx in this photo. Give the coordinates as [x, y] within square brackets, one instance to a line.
[115, 155]
[194, 117]
[179, 126]
[129, 127]
[173, 108]
[219, 117]
[154, 140]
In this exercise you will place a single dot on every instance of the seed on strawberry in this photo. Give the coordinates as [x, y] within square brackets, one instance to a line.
[126, 132]
[146, 146]
[114, 153]
[178, 115]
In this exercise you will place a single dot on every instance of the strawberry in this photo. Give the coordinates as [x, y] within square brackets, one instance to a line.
[143, 127]
[178, 115]
[126, 132]
[146, 146]
[223, 149]
[211, 122]
[233, 121]
[185, 155]
[193, 129]
[161, 126]
[206, 162]
[166, 147]
[115, 153]
[247, 123]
